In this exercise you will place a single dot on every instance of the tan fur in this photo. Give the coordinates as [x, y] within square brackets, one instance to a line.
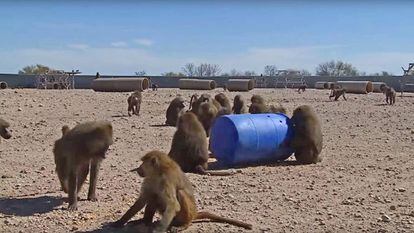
[167, 190]
[134, 103]
[174, 110]
[225, 106]
[337, 92]
[79, 151]
[389, 93]
[259, 106]
[239, 105]
[307, 140]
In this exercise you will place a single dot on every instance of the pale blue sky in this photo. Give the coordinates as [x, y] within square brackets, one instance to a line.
[120, 37]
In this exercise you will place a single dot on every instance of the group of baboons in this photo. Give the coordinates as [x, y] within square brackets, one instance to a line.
[337, 91]
[165, 188]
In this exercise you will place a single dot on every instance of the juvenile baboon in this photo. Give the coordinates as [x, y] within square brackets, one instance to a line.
[167, 190]
[307, 140]
[189, 147]
[337, 92]
[239, 105]
[277, 109]
[154, 87]
[4, 132]
[259, 106]
[79, 150]
[173, 111]
[224, 104]
[389, 93]
[134, 103]
[302, 88]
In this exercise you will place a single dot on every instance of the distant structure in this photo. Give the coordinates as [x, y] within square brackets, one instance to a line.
[407, 72]
[288, 79]
[57, 79]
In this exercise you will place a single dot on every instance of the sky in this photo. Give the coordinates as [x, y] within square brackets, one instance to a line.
[121, 37]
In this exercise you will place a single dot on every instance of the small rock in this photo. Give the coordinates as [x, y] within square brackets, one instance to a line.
[393, 207]
[401, 190]
[19, 109]
[42, 168]
[385, 218]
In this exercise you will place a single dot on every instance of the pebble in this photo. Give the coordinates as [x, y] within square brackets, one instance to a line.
[385, 218]
[393, 207]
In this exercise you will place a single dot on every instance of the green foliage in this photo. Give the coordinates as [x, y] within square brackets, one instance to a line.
[35, 69]
[336, 69]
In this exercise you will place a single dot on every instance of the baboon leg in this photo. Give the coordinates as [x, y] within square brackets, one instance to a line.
[129, 109]
[95, 165]
[138, 108]
[149, 213]
[337, 97]
[73, 192]
[83, 173]
[343, 95]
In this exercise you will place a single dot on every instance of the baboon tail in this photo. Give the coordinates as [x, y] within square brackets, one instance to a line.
[216, 218]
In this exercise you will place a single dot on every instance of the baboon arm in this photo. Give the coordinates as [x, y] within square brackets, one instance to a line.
[138, 205]
[93, 179]
[73, 191]
[168, 216]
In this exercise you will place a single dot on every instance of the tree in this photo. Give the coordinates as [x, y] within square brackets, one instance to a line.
[141, 73]
[383, 73]
[305, 73]
[336, 69]
[189, 69]
[35, 69]
[270, 70]
[249, 73]
[211, 69]
[173, 74]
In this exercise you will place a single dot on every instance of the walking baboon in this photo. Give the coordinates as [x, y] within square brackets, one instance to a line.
[302, 88]
[79, 151]
[307, 140]
[174, 109]
[189, 147]
[337, 92]
[154, 87]
[239, 105]
[134, 103]
[389, 93]
[167, 190]
[4, 132]
[224, 103]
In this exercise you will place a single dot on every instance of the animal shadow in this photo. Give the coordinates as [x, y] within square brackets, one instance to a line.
[384, 104]
[120, 115]
[160, 125]
[131, 227]
[29, 206]
[216, 165]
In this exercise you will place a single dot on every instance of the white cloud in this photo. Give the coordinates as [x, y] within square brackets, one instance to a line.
[119, 44]
[78, 46]
[144, 42]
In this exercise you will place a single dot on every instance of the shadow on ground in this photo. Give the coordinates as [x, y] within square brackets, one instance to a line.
[29, 206]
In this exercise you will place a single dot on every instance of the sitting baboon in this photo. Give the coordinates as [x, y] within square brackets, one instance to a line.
[207, 113]
[4, 132]
[337, 92]
[195, 102]
[175, 108]
[307, 140]
[302, 88]
[259, 106]
[189, 147]
[79, 151]
[239, 105]
[389, 93]
[134, 103]
[167, 190]
[224, 104]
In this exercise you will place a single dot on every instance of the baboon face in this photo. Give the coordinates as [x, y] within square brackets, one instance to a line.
[150, 164]
[257, 99]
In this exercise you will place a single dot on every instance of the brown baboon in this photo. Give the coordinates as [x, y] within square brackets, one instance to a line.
[79, 150]
[307, 140]
[257, 99]
[302, 88]
[189, 147]
[167, 190]
[173, 111]
[337, 92]
[225, 87]
[4, 132]
[225, 106]
[259, 106]
[134, 103]
[154, 87]
[277, 109]
[239, 105]
[389, 93]
[207, 113]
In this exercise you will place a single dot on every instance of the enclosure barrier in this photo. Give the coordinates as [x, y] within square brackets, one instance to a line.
[196, 84]
[120, 84]
[357, 87]
[3, 85]
[321, 85]
[377, 85]
[240, 84]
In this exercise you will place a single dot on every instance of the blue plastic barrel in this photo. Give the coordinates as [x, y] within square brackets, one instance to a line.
[251, 138]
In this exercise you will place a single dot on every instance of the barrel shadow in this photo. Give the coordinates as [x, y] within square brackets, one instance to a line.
[29, 206]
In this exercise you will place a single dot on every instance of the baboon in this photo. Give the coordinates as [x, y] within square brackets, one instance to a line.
[337, 92]
[80, 150]
[189, 147]
[4, 132]
[259, 106]
[134, 103]
[97, 75]
[307, 140]
[239, 105]
[195, 102]
[225, 87]
[302, 88]
[207, 113]
[224, 103]
[154, 87]
[389, 93]
[167, 190]
[173, 111]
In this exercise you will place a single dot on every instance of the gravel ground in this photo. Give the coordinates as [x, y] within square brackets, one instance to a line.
[364, 184]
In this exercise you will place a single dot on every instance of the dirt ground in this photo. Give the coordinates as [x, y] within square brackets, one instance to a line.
[365, 182]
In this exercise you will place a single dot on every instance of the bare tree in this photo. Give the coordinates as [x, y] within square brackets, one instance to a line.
[382, 73]
[212, 70]
[189, 69]
[336, 68]
[305, 73]
[141, 73]
[270, 70]
[173, 74]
